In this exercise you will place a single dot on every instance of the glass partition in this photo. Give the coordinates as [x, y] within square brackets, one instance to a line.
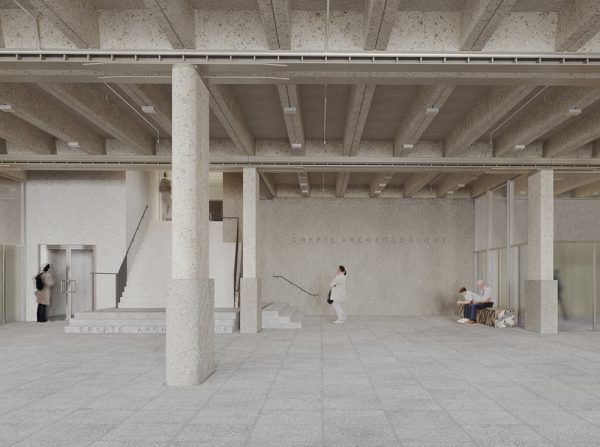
[573, 269]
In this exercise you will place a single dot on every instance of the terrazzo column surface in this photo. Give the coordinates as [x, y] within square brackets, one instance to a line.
[190, 303]
[250, 303]
[540, 312]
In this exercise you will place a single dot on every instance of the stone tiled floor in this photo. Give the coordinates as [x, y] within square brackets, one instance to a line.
[370, 382]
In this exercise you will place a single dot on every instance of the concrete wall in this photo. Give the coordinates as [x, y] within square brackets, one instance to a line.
[10, 212]
[141, 190]
[404, 256]
[76, 208]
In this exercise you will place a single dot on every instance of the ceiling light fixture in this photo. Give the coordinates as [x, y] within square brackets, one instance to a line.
[74, 144]
[408, 147]
[519, 147]
[148, 109]
[573, 111]
[460, 186]
[431, 110]
[450, 192]
[290, 110]
[6, 107]
[296, 146]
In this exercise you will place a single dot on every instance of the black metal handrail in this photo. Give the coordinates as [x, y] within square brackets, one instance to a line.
[121, 274]
[296, 285]
[236, 277]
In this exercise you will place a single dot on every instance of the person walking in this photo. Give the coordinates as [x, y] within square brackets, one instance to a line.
[164, 188]
[43, 284]
[338, 293]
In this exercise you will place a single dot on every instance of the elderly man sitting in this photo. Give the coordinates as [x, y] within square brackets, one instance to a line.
[474, 302]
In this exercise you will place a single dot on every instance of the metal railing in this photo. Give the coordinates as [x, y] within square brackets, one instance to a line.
[296, 285]
[237, 272]
[121, 274]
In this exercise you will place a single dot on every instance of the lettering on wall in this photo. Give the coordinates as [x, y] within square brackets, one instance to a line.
[398, 240]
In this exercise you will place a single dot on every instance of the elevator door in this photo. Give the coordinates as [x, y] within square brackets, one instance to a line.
[73, 289]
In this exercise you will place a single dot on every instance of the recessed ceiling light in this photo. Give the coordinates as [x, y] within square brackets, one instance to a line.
[148, 109]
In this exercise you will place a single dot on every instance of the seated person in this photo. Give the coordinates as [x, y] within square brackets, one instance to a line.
[483, 300]
[468, 298]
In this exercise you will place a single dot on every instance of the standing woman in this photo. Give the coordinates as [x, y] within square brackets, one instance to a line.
[43, 284]
[338, 293]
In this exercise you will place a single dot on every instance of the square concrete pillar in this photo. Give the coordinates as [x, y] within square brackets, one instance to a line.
[190, 344]
[540, 302]
[250, 305]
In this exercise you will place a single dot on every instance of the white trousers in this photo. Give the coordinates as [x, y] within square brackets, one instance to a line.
[338, 310]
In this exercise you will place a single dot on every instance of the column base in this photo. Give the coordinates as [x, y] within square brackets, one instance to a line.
[540, 306]
[250, 306]
[190, 331]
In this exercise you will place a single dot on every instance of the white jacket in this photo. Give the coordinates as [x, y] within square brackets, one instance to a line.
[338, 288]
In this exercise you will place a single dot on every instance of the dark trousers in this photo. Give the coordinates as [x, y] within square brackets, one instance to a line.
[42, 313]
[470, 310]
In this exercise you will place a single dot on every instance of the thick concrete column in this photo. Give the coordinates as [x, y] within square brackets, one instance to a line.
[250, 308]
[541, 291]
[190, 302]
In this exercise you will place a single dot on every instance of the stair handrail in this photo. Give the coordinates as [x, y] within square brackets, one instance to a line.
[121, 274]
[296, 285]
[237, 273]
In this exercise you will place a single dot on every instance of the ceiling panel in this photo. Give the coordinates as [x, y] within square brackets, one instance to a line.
[261, 107]
[389, 106]
[312, 97]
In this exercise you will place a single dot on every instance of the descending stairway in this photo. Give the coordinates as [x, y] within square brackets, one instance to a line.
[281, 316]
[141, 321]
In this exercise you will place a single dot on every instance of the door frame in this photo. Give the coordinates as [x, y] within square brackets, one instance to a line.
[44, 255]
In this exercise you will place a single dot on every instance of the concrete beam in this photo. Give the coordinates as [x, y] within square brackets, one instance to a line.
[155, 96]
[546, 116]
[292, 115]
[451, 183]
[341, 183]
[379, 182]
[479, 20]
[304, 184]
[379, 18]
[176, 19]
[271, 187]
[591, 189]
[486, 112]
[91, 101]
[584, 131]
[356, 117]
[578, 22]
[417, 181]
[32, 106]
[229, 113]
[77, 20]
[573, 182]
[489, 181]
[276, 16]
[24, 134]
[596, 149]
[423, 110]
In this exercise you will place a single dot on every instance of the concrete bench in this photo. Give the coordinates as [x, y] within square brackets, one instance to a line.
[484, 316]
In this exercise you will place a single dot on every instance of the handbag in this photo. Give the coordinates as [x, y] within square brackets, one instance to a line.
[329, 300]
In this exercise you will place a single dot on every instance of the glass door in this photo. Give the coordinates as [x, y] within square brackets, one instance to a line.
[73, 290]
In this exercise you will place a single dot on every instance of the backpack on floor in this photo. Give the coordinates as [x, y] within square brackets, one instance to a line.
[39, 284]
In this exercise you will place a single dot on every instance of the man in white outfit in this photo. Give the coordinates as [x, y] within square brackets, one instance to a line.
[483, 300]
[338, 294]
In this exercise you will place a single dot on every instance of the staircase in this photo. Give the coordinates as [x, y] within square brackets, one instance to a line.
[281, 316]
[141, 321]
[150, 273]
